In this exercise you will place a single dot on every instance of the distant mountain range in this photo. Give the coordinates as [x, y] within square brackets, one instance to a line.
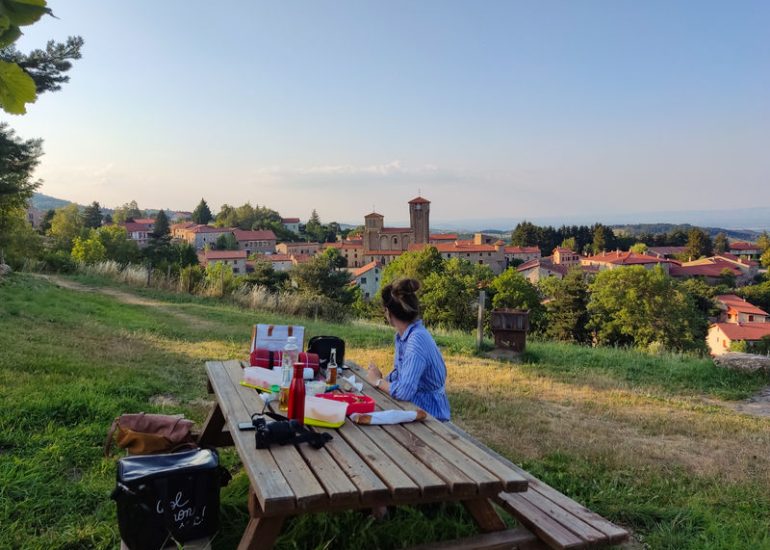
[47, 202]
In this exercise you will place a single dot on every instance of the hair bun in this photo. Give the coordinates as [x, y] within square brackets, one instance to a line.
[406, 286]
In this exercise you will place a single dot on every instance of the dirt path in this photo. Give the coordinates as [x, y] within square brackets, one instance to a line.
[130, 298]
[757, 405]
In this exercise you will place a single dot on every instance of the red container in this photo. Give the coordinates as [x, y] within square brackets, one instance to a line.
[297, 395]
[356, 403]
[269, 359]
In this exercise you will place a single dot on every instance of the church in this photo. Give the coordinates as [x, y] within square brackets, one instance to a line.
[377, 237]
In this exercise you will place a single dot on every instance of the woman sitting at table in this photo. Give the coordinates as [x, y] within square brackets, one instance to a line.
[419, 372]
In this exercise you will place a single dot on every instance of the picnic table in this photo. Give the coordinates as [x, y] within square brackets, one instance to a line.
[396, 465]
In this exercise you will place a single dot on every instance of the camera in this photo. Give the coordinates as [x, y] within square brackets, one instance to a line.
[284, 432]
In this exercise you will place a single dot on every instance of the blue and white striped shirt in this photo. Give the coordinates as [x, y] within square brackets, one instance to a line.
[419, 372]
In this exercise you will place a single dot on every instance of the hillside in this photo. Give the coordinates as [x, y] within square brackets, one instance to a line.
[642, 440]
[47, 202]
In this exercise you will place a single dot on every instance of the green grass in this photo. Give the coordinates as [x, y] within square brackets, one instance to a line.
[72, 361]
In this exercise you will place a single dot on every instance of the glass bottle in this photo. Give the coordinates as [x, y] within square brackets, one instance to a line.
[331, 368]
[297, 395]
[288, 358]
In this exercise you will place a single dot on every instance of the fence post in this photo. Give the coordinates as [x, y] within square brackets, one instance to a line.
[149, 272]
[480, 322]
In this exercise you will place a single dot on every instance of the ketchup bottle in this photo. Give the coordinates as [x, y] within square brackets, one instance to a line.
[297, 395]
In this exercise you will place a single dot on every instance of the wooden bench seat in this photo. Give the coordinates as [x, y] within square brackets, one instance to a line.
[555, 519]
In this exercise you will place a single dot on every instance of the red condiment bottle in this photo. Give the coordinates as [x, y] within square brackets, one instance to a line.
[297, 395]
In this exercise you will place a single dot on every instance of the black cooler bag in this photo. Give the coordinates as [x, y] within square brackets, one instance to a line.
[322, 346]
[168, 498]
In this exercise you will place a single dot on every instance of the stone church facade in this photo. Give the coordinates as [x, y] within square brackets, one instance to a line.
[378, 238]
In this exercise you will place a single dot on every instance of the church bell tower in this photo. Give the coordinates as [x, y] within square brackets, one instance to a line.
[419, 219]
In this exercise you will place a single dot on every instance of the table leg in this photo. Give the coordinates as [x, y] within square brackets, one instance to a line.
[485, 515]
[212, 434]
[261, 533]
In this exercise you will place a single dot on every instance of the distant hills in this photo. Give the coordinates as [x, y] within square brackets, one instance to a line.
[47, 202]
[656, 228]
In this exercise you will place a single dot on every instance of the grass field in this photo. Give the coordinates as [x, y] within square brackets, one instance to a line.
[642, 440]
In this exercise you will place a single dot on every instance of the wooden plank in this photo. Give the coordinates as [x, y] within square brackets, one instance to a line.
[260, 533]
[334, 480]
[303, 482]
[272, 490]
[476, 464]
[547, 529]
[613, 533]
[485, 515]
[457, 482]
[430, 484]
[370, 487]
[592, 536]
[215, 421]
[399, 484]
[499, 540]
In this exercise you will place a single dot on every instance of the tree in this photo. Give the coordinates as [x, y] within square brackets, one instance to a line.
[266, 276]
[92, 216]
[17, 86]
[600, 239]
[45, 223]
[117, 246]
[184, 254]
[525, 234]
[160, 227]
[639, 248]
[634, 306]
[226, 217]
[66, 225]
[449, 297]
[89, 250]
[129, 211]
[202, 214]
[764, 259]
[702, 295]
[727, 278]
[319, 277]
[511, 289]
[698, 243]
[763, 242]
[414, 265]
[720, 243]
[226, 241]
[567, 313]
[313, 228]
[46, 67]
[335, 258]
[569, 243]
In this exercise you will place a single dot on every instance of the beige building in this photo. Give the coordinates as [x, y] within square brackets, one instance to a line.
[612, 260]
[722, 335]
[306, 249]
[200, 236]
[236, 259]
[255, 242]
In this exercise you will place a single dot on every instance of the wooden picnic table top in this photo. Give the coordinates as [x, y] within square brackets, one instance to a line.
[362, 466]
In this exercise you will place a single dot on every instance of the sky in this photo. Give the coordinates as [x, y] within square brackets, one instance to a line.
[516, 109]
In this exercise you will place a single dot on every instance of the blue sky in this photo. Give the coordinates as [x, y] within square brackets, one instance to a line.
[499, 109]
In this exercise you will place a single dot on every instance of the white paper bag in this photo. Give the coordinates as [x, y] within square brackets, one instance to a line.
[273, 337]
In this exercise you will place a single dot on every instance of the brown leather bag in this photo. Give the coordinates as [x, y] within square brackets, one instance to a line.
[143, 434]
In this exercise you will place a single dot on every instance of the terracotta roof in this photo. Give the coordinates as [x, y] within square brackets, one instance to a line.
[209, 229]
[736, 259]
[144, 220]
[289, 220]
[364, 269]
[562, 250]
[443, 237]
[744, 331]
[383, 252]
[345, 245]
[743, 246]
[544, 264]
[397, 230]
[299, 244]
[224, 254]
[739, 304]
[183, 225]
[419, 200]
[703, 270]
[133, 226]
[521, 250]
[460, 247]
[259, 235]
[275, 257]
[625, 258]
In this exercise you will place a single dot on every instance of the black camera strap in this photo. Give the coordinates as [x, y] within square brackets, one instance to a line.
[315, 439]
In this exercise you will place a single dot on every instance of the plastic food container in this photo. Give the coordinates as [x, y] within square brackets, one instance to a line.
[324, 412]
[315, 387]
[261, 379]
[356, 403]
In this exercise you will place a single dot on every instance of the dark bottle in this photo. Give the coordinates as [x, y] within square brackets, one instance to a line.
[297, 395]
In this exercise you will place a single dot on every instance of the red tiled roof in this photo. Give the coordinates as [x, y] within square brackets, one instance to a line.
[419, 200]
[144, 220]
[562, 250]
[275, 257]
[345, 245]
[289, 220]
[736, 259]
[259, 235]
[209, 229]
[136, 226]
[224, 254]
[544, 264]
[743, 246]
[183, 225]
[625, 258]
[667, 250]
[299, 244]
[739, 304]
[460, 247]
[443, 237]
[521, 250]
[703, 270]
[368, 267]
[383, 252]
[744, 331]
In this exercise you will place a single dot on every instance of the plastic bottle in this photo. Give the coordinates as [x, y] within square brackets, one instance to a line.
[288, 358]
[331, 368]
[297, 395]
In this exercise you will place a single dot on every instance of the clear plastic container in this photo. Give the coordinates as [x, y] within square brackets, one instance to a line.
[325, 410]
